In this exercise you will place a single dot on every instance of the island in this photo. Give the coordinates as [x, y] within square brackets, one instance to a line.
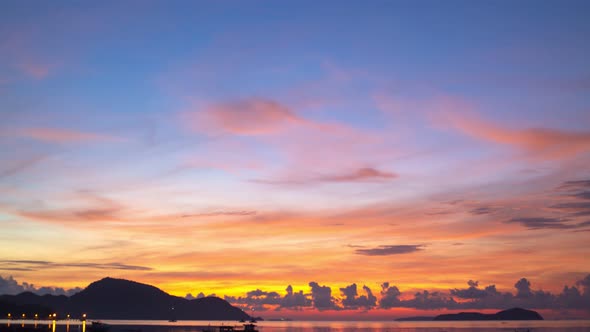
[111, 298]
[510, 314]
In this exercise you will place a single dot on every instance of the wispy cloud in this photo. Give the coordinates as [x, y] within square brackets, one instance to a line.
[364, 174]
[15, 167]
[390, 250]
[33, 265]
[361, 174]
[59, 135]
[250, 117]
[545, 143]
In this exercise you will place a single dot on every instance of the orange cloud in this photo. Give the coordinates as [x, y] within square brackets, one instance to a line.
[541, 143]
[62, 135]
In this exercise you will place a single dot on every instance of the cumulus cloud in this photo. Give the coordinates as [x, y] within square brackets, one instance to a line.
[390, 250]
[260, 300]
[294, 299]
[389, 296]
[10, 286]
[472, 292]
[321, 296]
[471, 297]
[351, 299]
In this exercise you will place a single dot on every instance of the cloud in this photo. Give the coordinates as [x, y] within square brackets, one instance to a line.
[57, 135]
[482, 210]
[31, 265]
[36, 70]
[364, 174]
[351, 299]
[523, 288]
[361, 174]
[389, 296]
[541, 222]
[248, 117]
[472, 297]
[260, 300]
[10, 286]
[544, 143]
[322, 296]
[389, 250]
[15, 167]
[574, 185]
[546, 223]
[473, 292]
[294, 299]
[583, 195]
[221, 214]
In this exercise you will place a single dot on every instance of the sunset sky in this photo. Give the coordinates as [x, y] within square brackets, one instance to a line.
[223, 147]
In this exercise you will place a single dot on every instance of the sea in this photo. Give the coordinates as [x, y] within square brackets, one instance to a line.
[317, 326]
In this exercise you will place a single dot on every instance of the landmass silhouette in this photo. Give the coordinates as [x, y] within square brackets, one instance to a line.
[111, 298]
[510, 314]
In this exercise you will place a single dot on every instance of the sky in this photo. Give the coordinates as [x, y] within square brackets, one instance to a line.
[333, 159]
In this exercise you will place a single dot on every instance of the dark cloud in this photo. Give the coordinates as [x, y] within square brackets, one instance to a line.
[523, 288]
[12, 287]
[294, 299]
[583, 195]
[389, 296]
[574, 185]
[574, 209]
[482, 210]
[259, 300]
[542, 223]
[472, 297]
[430, 300]
[472, 292]
[351, 299]
[30, 265]
[321, 296]
[390, 250]
[548, 223]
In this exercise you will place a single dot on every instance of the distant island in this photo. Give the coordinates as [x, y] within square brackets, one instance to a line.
[510, 314]
[111, 298]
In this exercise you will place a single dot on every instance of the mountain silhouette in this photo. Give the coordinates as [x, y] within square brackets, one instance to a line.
[510, 314]
[111, 298]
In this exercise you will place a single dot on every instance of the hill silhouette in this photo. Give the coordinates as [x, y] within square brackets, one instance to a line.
[510, 314]
[111, 298]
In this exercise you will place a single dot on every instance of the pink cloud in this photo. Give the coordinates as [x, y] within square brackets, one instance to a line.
[62, 135]
[542, 143]
[249, 117]
[364, 174]
[36, 70]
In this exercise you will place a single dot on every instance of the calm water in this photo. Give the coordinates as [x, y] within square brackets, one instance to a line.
[328, 326]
